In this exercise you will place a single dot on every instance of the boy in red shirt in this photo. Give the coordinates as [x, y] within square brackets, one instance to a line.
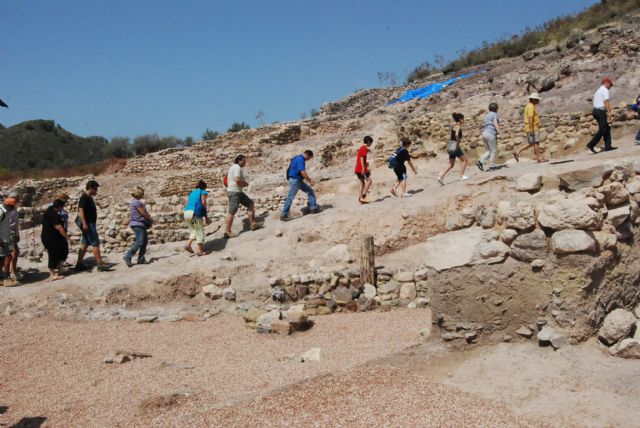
[362, 169]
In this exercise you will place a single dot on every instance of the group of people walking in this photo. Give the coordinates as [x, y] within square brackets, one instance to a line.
[55, 225]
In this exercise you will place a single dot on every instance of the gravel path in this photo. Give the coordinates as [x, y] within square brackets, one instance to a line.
[55, 369]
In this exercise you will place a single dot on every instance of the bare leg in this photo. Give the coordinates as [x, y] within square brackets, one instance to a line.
[536, 148]
[367, 186]
[451, 163]
[81, 252]
[97, 255]
[362, 192]
[14, 261]
[464, 161]
[229, 223]
[251, 213]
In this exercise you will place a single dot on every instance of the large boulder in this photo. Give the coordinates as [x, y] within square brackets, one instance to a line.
[531, 182]
[466, 247]
[617, 325]
[590, 177]
[521, 217]
[529, 246]
[572, 241]
[569, 214]
[490, 252]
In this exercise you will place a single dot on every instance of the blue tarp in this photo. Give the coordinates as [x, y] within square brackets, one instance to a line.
[427, 91]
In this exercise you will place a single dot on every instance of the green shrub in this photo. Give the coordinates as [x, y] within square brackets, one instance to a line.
[210, 135]
[238, 126]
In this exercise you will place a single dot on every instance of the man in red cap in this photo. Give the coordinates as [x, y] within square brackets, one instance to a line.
[602, 115]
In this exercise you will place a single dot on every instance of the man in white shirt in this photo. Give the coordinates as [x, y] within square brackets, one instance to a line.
[8, 239]
[602, 115]
[235, 191]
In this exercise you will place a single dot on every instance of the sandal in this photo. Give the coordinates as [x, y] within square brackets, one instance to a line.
[516, 157]
[256, 226]
[188, 249]
[201, 254]
[393, 192]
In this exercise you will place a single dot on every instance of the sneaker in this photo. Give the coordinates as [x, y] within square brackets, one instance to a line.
[143, 261]
[516, 156]
[441, 181]
[593, 149]
[406, 195]
[638, 142]
[608, 149]
[464, 177]
[315, 210]
[103, 267]
[284, 218]
[480, 166]
[127, 261]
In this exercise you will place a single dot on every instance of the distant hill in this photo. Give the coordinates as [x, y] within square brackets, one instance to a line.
[43, 144]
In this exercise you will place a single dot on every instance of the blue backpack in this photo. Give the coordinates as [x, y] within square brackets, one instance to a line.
[392, 161]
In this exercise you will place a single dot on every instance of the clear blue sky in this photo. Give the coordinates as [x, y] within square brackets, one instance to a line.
[128, 67]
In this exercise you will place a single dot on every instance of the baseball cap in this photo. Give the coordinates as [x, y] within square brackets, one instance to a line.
[10, 202]
[607, 80]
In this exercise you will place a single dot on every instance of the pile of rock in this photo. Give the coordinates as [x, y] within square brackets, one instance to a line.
[620, 332]
[279, 321]
[325, 292]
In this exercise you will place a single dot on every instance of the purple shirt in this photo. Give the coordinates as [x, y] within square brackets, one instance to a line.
[136, 218]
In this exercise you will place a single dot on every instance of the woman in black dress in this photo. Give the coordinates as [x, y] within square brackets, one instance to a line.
[454, 149]
[55, 239]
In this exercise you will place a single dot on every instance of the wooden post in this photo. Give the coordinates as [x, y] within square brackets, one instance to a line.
[367, 261]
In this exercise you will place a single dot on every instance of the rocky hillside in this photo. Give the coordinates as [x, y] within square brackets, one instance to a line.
[43, 144]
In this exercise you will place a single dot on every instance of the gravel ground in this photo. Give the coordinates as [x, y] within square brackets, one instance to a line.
[55, 369]
[365, 397]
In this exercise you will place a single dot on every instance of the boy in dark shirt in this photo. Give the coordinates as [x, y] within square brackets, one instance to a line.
[400, 169]
[86, 221]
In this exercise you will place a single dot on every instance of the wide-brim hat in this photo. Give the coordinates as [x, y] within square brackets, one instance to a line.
[534, 96]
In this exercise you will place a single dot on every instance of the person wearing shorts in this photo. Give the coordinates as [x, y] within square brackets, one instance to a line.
[86, 221]
[362, 169]
[456, 137]
[6, 243]
[402, 156]
[235, 192]
[531, 128]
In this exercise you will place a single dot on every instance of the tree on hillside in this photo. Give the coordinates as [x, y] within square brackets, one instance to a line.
[119, 147]
[210, 135]
[238, 126]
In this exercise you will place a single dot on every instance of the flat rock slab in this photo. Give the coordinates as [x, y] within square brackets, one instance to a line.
[453, 249]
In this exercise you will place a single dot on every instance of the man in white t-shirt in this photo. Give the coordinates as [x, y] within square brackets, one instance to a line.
[602, 115]
[235, 191]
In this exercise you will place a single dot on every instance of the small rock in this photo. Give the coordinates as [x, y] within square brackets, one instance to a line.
[557, 341]
[617, 325]
[507, 338]
[408, 291]
[425, 332]
[121, 358]
[412, 305]
[313, 354]
[252, 314]
[545, 334]
[422, 302]
[627, 348]
[229, 294]
[370, 291]
[282, 327]
[147, 318]
[448, 337]
[212, 291]
[404, 276]
[524, 332]
[471, 336]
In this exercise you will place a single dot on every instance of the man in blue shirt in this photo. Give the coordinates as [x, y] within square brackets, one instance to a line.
[296, 174]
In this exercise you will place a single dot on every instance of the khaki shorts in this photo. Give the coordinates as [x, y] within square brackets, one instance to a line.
[236, 199]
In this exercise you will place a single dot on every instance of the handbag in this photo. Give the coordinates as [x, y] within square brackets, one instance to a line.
[452, 146]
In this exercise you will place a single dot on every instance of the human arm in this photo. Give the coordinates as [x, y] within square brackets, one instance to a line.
[304, 175]
[83, 219]
[496, 124]
[240, 182]
[607, 106]
[364, 164]
[61, 230]
[203, 199]
[412, 167]
[144, 213]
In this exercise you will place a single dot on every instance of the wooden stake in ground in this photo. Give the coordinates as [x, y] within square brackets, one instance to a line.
[367, 261]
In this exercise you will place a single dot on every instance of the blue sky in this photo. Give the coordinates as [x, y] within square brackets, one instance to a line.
[129, 67]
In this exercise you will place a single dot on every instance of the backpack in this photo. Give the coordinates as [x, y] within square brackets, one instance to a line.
[635, 106]
[225, 181]
[392, 161]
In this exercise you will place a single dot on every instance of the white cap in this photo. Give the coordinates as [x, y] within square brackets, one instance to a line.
[534, 96]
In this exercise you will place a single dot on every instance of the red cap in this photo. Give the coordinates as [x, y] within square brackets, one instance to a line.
[607, 80]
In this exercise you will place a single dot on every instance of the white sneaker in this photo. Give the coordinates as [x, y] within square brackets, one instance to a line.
[464, 177]
[406, 195]
[441, 181]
